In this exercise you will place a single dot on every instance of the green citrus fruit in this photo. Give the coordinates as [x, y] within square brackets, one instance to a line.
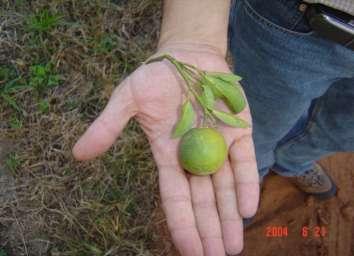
[202, 151]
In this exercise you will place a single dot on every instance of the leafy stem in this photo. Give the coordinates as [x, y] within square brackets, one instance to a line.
[188, 75]
[190, 86]
[206, 87]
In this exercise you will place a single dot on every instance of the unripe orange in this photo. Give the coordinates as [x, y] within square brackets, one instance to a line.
[202, 151]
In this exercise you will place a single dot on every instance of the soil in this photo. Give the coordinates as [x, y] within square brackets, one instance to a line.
[291, 223]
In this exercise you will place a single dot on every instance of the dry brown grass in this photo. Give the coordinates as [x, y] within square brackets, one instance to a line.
[107, 206]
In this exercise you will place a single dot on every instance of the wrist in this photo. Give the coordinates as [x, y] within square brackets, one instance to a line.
[211, 46]
[193, 46]
[198, 22]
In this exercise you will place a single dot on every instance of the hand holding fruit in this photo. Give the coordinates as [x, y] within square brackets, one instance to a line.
[204, 213]
[202, 151]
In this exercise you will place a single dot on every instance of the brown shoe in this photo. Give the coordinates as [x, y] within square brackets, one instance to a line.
[316, 182]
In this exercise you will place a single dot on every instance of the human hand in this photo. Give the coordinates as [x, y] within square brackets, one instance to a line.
[204, 213]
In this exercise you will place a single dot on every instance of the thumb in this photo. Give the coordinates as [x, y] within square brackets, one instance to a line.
[106, 128]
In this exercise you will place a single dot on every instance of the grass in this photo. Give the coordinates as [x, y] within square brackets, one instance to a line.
[42, 77]
[12, 162]
[15, 122]
[59, 62]
[42, 21]
[11, 83]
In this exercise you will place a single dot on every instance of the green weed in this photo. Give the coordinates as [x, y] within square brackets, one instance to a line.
[10, 84]
[43, 21]
[6, 73]
[15, 123]
[106, 44]
[43, 77]
[43, 106]
[13, 162]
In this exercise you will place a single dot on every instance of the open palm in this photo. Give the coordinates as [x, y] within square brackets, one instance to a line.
[204, 213]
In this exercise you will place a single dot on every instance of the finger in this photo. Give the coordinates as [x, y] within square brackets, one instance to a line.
[105, 129]
[206, 215]
[176, 202]
[176, 199]
[231, 221]
[244, 165]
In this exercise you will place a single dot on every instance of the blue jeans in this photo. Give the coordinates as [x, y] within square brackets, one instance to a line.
[300, 87]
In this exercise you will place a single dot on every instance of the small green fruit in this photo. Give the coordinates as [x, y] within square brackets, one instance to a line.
[202, 151]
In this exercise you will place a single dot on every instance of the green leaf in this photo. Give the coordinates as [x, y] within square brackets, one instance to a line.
[208, 96]
[233, 96]
[227, 77]
[228, 91]
[230, 119]
[186, 120]
[217, 94]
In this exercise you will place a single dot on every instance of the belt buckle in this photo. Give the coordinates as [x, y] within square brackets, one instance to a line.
[332, 24]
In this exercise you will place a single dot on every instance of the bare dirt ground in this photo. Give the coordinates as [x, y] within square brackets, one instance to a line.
[283, 205]
[314, 228]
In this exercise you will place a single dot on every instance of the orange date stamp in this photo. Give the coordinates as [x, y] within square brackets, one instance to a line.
[306, 231]
[316, 231]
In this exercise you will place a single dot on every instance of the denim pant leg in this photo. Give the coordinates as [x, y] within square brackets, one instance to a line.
[329, 129]
[283, 65]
